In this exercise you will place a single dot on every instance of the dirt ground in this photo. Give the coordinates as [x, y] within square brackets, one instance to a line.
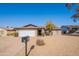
[9, 46]
[55, 45]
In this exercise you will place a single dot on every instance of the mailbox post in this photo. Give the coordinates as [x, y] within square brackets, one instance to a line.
[25, 40]
[26, 48]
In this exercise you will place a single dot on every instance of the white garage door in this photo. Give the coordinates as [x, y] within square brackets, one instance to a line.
[23, 33]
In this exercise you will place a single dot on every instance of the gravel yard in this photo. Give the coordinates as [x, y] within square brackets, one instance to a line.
[59, 45]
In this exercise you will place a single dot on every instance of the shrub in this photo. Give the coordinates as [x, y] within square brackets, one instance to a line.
[40, 42]
[13, 34]
[16, 34]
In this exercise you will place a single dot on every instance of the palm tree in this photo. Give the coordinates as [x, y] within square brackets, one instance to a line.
[74, 16]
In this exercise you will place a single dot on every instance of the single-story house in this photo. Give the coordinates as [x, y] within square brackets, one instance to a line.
[28, 30]
[33, 30]
[69, 28]
[73, 28]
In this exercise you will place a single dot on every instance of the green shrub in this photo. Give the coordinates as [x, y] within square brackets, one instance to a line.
[16, 34]
[13, 34]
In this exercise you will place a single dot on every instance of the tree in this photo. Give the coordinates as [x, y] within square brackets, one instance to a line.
[50, 26]
[74, 16]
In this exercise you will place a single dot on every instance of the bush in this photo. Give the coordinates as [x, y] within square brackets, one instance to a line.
[40, 42]
[16, 34]
[13, 34]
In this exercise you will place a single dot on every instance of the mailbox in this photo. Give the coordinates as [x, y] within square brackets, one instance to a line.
[25, 39]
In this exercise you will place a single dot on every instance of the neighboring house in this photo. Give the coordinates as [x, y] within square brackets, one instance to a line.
[7, 32]
[73, 28]
[28, 30]
[76, 33]
[3, 32]
[70, 28]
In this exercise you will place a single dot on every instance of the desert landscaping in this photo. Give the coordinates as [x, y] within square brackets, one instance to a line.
[55, 45]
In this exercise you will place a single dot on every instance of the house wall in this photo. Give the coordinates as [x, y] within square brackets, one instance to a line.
[56, 32]
[27, 32]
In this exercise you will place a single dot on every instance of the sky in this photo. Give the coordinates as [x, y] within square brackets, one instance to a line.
[20, 14]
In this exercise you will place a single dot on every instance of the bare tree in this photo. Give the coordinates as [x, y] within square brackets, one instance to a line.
[70, 7]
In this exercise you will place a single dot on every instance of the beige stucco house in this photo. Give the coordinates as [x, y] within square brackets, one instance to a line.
[28, 30]
[33, 30]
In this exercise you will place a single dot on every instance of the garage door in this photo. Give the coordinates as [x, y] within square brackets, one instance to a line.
[23, 33]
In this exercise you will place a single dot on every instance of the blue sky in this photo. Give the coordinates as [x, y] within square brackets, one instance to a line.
[16, 15]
